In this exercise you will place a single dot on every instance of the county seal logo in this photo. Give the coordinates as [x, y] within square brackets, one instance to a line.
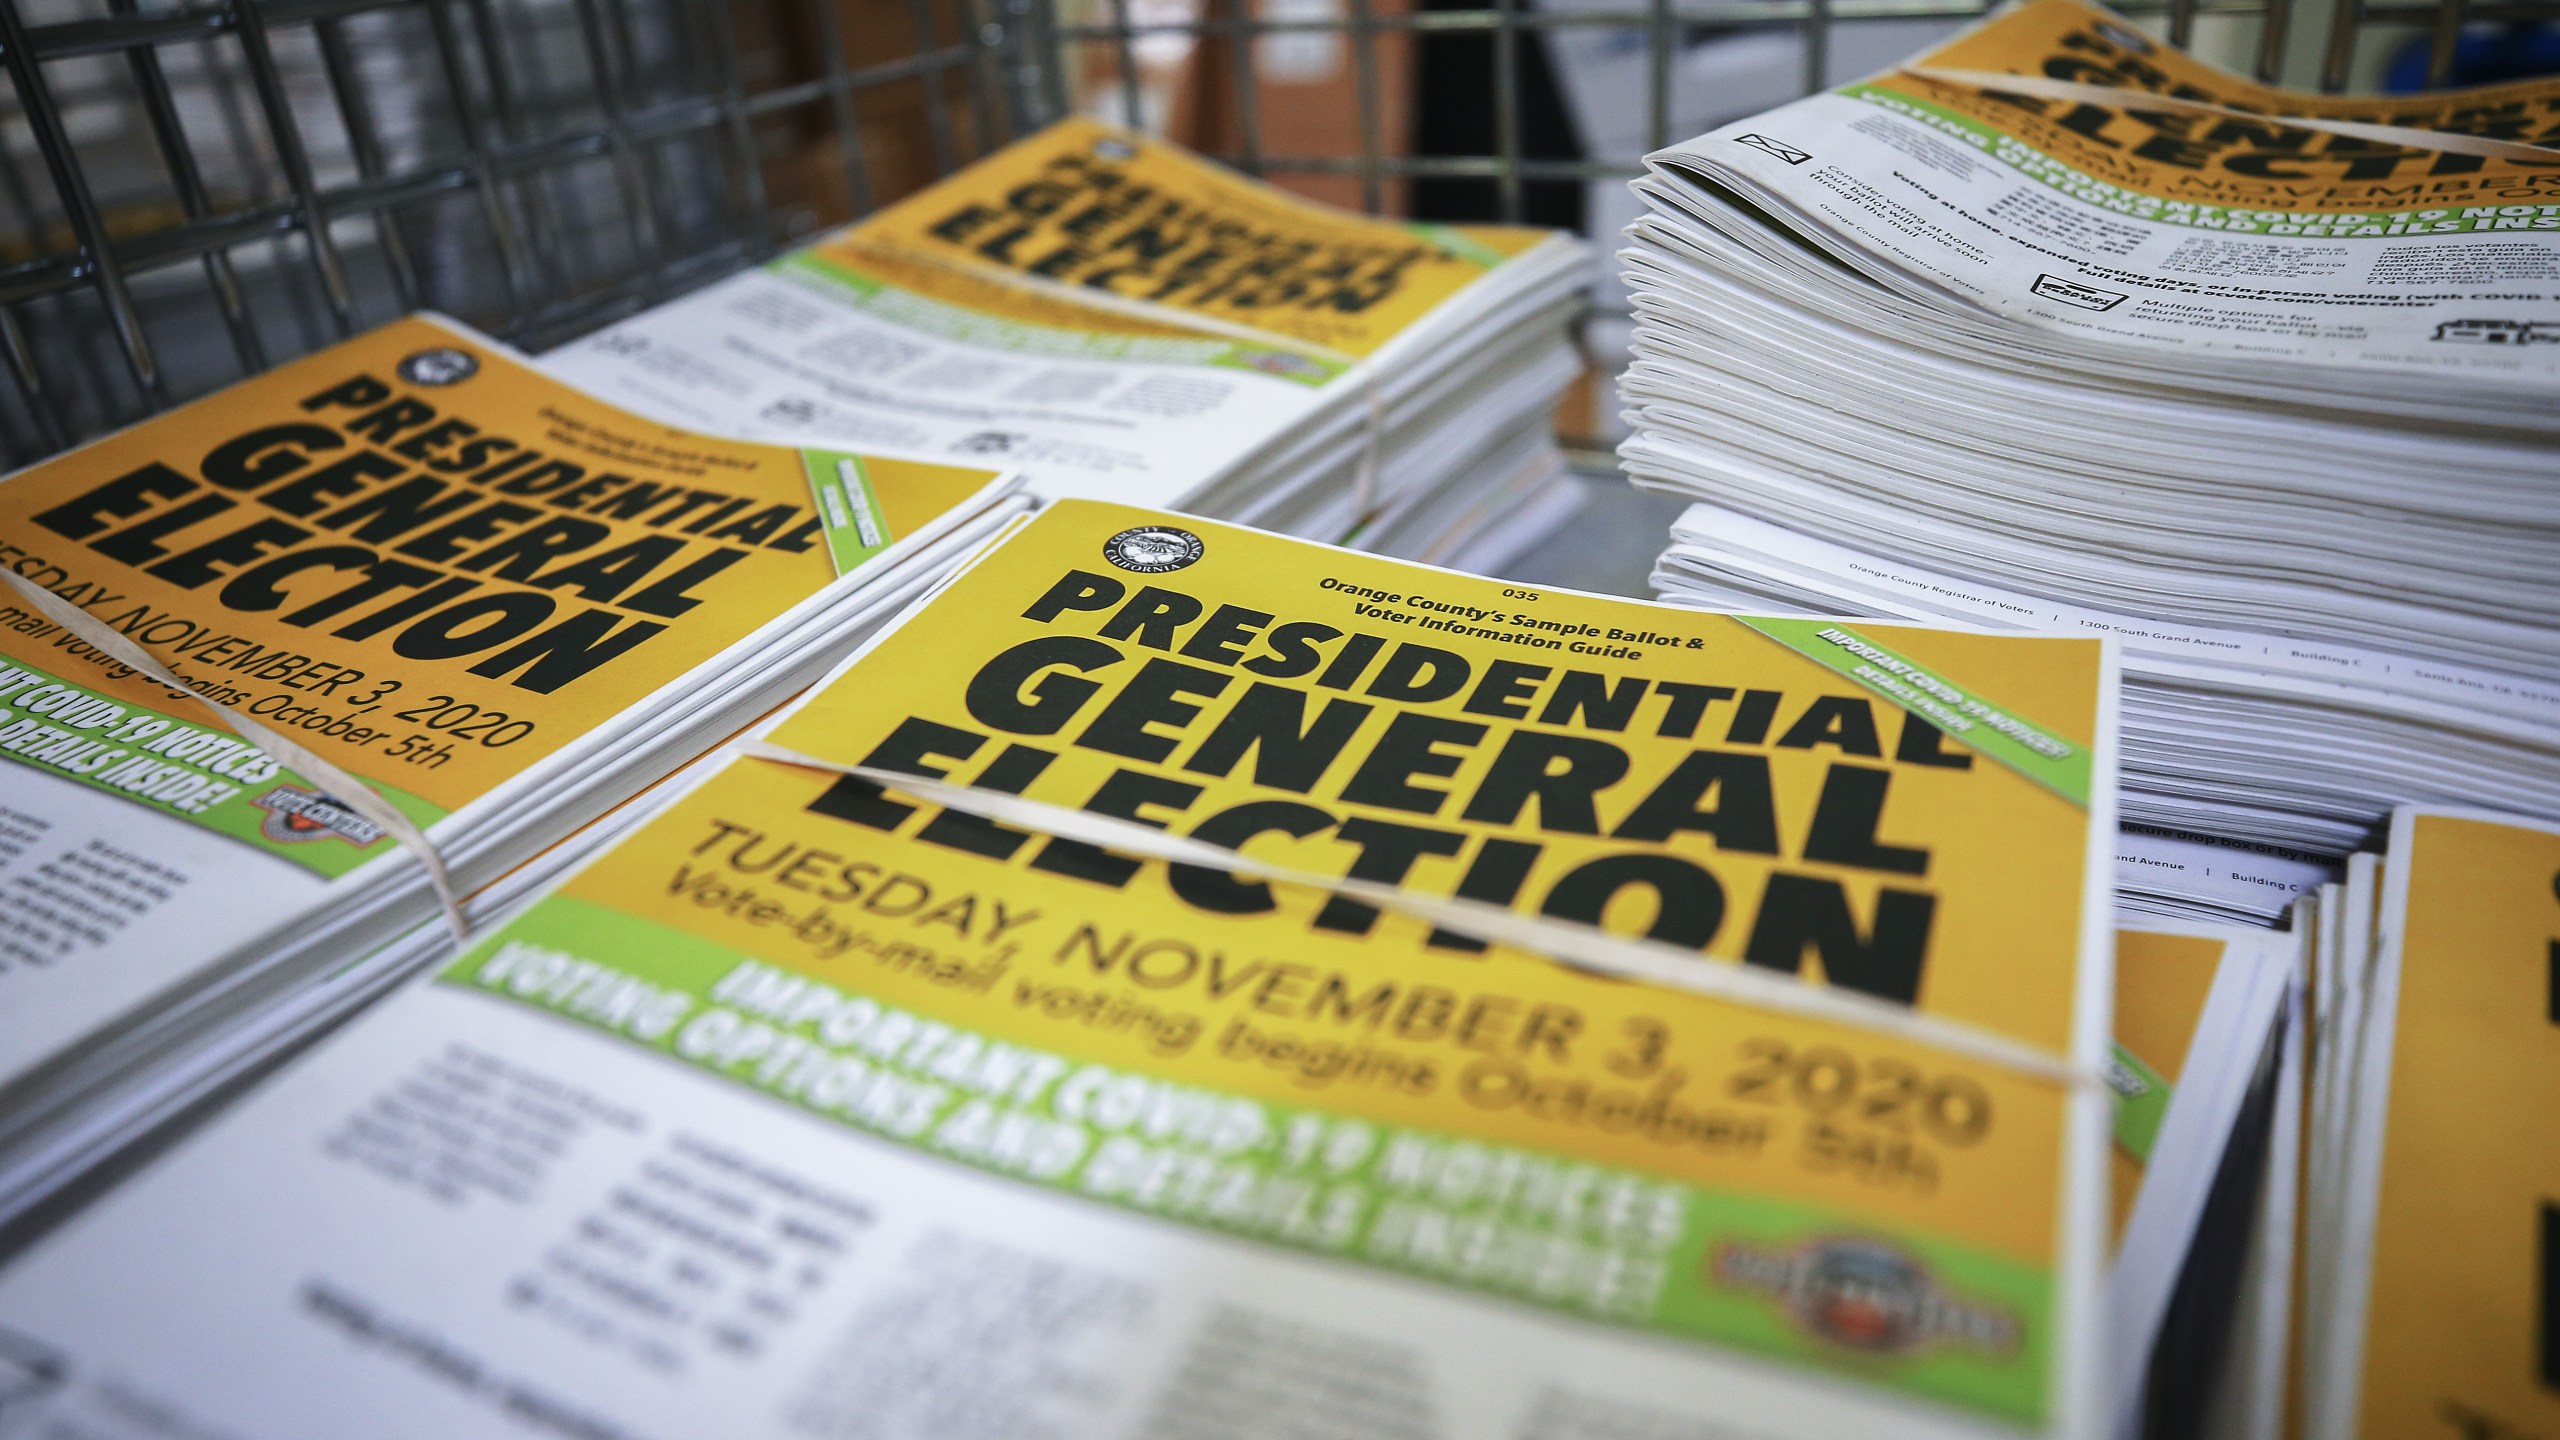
[441, 366]
[1152, 549]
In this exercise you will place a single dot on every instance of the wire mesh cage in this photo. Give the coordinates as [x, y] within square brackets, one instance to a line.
[192, 190]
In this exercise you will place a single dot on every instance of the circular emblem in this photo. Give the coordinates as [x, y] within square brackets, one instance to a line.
[2133, 40]
[1864, 1296]
[1152, 549]
[439, 367]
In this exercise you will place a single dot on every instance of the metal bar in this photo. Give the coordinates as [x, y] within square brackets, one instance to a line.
[96, 35]
[565, 319]
[235, 120]
[1132, 106]
[848, 136]
[626, 56]
[22, 198]
[515, 264]
[310, 331]
[595, 198]
[639, 204]
[286, 136]
[64, 38]
[652, 157]
[1506, 112]
[2273, 33]
[1240, 72]
[576, 233]
[2182, 23]
[1002, 40]
[539, 226]
[1039, 73]
[160, 109]
[1364, 67]
[937, 105]
[30, 381]
[2341, 59]
[94, 362]
[736, 125]
[1011, 45]
[1053, 65]
[366, 146]
[2447, 37]
[975, 30]
[484, 166]
[72, 189]
[55, 274]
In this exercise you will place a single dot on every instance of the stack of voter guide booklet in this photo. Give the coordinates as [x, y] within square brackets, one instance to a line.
[1125, 321]
[500, 606]
[1176, 967]
[2055, 327]
[2430, 1172]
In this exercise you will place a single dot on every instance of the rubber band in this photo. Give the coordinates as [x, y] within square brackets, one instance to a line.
[342, 786]
[1568, 942]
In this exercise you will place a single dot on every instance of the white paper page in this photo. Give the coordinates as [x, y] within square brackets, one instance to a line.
[2024, 236]
[462, 1214]
[104, 903]
[773, 355]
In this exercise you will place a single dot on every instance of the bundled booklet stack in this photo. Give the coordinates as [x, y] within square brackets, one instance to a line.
[286, 671]
[2054, 327]
[2429, 1258]
[1122, 320]
[1180, 980]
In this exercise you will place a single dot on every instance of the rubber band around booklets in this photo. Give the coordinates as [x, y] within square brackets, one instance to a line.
[1567, 942]
[341, 785]
[2122, 98]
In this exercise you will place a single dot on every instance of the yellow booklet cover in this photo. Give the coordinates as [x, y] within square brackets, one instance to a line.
[1125, 217]
[413, 564]
[2163, 981]
[421, 557]
[1915, 819]
[2461, 1321]
[2240, 156]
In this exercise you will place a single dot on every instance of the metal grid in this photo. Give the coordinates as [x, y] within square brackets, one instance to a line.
[191, 190]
